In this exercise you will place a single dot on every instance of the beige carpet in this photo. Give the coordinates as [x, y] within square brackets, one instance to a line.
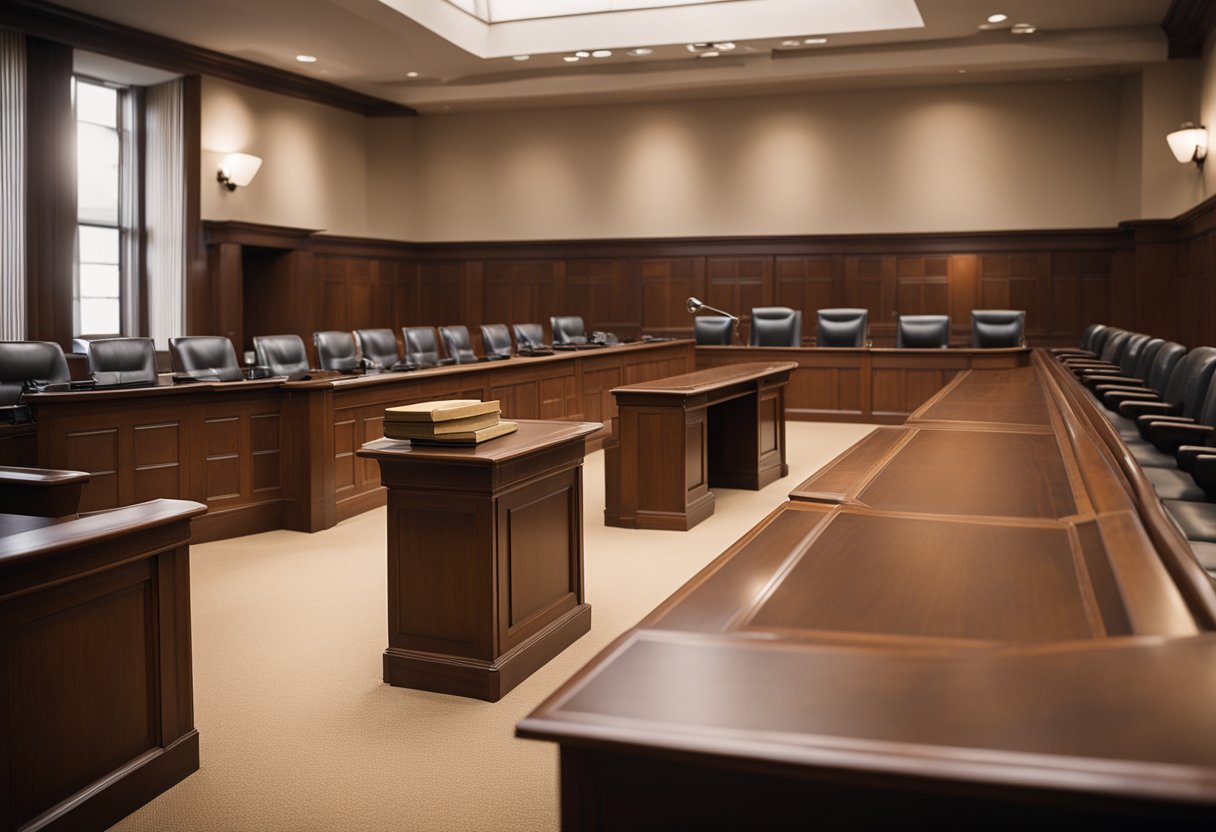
[299, 733]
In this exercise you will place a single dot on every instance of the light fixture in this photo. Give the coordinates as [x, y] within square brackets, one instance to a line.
[602, 53]
[997, 18]
[1189, 143]
[815, 41]
[582, 54]
[640, 52]
[238, 169]
[724, 46]
[710, 54]
[411, 75]
[521, 57]
[791, 43]
[570, 59]
[1024, 29]
[306, 59]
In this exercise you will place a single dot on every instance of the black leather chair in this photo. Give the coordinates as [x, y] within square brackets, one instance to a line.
[842, 328]
[775, 326]
[923, 331]
[379, 347]
[1124, 362]
[459, 345]
[994, 328]
[205, 357]
[1112, 353]
[496, 339]
[1087, 346]
[529, 336]
[127, 362]
[336, 350]
[283, 355]
[1153, 369]
[568, 329]
[29, 361]
[421, 348]
[713, 330]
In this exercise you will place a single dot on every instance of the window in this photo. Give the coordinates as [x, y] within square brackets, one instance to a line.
[98, 296]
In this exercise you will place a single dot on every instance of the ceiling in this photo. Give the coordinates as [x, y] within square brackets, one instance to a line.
[367, 46]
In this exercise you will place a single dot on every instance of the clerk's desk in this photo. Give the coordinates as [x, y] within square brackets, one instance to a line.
[980, 618]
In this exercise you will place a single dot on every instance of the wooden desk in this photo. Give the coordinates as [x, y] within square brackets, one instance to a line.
[675, 437]
[268, 455]
[980, 617]
[869, 385]
[95, 684]
[485, 557]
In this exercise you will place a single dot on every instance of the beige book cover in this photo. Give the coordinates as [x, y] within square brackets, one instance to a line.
[474, 437]
[408, 430]
[440, 411]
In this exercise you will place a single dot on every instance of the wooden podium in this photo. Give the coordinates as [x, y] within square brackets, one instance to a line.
[485, 557]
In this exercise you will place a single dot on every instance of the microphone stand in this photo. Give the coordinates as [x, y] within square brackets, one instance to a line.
[693, 305]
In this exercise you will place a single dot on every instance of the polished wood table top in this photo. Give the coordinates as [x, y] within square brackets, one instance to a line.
[531, 436]
[709, 380]
[984, 595]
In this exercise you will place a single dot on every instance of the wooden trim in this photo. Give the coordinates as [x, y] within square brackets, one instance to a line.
[1187, 25]
[83, 31]
[257, 234]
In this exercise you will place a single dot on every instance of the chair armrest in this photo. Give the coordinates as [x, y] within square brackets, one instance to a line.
[1187, 454]
[1137, 407]
[1087, 364]
[1169, 436]
[1160, 417]
[1070, 352]
[1204, 472]
[1114, 398]
[1123, 381]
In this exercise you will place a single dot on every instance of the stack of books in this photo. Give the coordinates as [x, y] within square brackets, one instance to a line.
[447, 422]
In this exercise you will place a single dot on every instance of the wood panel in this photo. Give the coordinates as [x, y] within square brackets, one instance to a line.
[665, 286]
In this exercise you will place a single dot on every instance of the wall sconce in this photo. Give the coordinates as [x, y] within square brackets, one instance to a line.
[1189, 143]
[238, 170]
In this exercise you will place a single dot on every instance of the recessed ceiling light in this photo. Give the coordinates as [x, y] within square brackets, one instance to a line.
[641, 51]
[582, 54]
[724, 46]
[791, 43]
[1024, 29]
[571, 59]
[306, 59]
[521, 57]
[814, 41]
[962, 72]
[997, 18]
[709, 54]
[602, 53]
[411, 75]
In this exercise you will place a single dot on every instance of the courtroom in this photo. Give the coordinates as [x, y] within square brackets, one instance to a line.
[536, 415]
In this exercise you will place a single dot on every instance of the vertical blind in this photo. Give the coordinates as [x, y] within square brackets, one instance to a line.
[165, 212]
[12, 186]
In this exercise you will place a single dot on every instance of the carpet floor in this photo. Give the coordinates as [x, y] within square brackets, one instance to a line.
[297, 730]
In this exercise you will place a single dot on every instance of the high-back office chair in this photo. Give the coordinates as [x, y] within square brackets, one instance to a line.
[496, 339]
[529, 336]
[336, 350]
[923, 331]
[776, 326]
[22, 361]
[712, 330]
[421, 348]
[284, 355]
[568, 329]
[207, 357]
[459, 345]
[993, 328]
[842, 327]
[379, 347]
[125, 361]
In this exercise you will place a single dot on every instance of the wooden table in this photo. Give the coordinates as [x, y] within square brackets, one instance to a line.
[485, 557]
[982, 617]
[675, 437]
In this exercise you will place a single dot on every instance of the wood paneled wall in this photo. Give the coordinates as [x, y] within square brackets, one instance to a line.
[1155, 277]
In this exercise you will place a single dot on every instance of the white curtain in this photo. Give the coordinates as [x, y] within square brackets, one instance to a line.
[12, 186]
[165, 212]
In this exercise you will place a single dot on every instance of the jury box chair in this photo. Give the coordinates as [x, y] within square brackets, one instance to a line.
[121, 361]
[842, 327]
[421, 348]
[923, 332]
[458, 344]
[336, 350]
[379, 347]
[205, 357]
[529, 336]
[776, 326]
[568, 329]
[497, 340]
[993, 328]
[283, 355]
[25, 361]
[712, 330]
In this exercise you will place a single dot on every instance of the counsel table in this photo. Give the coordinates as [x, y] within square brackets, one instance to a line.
[980, 615]
[485, 557]
[675, 437]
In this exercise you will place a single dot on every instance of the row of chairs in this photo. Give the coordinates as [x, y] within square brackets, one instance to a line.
[780, 326]
[1162, 400]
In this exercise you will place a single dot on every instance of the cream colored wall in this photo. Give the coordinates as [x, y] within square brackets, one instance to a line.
[392, 178]
[958, 158]
[314, 160]
[1170, 95]
[1207, 109]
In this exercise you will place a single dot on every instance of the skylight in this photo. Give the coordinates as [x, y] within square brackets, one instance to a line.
[502, 11]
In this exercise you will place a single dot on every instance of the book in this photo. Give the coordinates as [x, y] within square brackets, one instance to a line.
[408, 430]
[440, 411]
[474, 437]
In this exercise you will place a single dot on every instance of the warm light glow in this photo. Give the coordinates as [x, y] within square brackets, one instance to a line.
[238, 169]
[640, 52]
[306, 59]
[997, 18]
[582, 54]
[571, 59]
[815, 41]
[602, 53]
[521, 57]
[1024, 29]
[411, 75]
[1189, 143]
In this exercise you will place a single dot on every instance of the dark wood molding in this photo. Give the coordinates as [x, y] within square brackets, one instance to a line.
[256, 234]
[95, 34]
[1187, 25]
